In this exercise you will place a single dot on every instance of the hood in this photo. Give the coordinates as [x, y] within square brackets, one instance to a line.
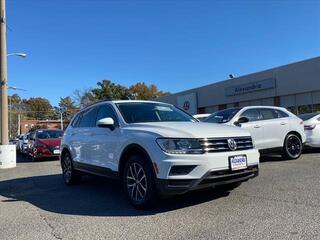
[189, 129]
[50, 141]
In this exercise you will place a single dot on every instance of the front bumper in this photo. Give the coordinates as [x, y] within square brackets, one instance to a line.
[210, 179]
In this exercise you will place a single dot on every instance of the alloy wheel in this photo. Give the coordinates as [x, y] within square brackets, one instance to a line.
[67, 168]
[136, 182]
[294, 146]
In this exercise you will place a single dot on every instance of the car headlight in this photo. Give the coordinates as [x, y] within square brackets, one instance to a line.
[180, 146]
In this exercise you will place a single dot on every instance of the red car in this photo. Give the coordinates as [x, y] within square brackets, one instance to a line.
[45, 143]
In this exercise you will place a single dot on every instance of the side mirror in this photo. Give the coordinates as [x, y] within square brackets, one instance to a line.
[240, 121]
[106, 123]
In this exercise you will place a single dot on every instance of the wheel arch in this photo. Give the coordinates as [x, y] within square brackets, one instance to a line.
[130, 150]
[295, 133]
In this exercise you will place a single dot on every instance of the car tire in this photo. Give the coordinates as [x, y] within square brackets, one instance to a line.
[139, 182]
[292, 147]
[69, 174]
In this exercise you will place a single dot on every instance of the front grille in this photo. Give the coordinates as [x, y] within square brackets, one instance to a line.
[52, 148]
[221, 144]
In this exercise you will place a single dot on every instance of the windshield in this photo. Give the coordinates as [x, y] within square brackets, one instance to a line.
[222, 116]
[307, 116]
[137, 112]
[49, 134]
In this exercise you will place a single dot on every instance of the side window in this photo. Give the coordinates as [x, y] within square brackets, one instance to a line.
[251, 114]
[281, 114]
[88, 118]
[268, 113]
[105, 111]
[76, 121]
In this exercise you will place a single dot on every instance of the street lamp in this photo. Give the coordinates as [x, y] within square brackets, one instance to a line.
[19, 54]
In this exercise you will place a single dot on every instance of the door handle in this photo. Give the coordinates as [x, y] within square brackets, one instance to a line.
[256, 126]
[283, 123]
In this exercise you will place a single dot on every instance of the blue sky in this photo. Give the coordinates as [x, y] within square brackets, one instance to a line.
[177, 45]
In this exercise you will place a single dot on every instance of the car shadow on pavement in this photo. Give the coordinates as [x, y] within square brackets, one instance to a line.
[278, 158]
[25, 159]
[94, 196]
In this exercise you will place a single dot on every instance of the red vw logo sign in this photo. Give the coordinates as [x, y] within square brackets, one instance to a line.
[186, 105]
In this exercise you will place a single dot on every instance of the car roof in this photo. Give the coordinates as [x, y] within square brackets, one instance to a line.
[120, 101]
[261, 106]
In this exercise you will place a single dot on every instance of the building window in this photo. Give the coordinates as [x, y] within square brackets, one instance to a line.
[222, 107]
[276, 101]
[316, 108]
[304, 109]
[201, 110]
[292, 109]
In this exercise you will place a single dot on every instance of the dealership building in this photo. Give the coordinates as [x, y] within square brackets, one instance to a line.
[295, 86]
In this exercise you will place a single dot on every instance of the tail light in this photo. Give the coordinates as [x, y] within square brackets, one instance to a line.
[309, 127]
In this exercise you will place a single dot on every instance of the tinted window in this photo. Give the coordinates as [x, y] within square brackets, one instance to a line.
[45, 134]
[88, 118]
[268, 113]
[307, 116]
[136, 112]
[222, 116]
[106, 111]
[281, 114]
[76, 121]
[251, 114]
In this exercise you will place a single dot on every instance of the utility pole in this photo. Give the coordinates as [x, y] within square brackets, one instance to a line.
[61, 119]
[19, 123]
[3, 75]
[8, 152]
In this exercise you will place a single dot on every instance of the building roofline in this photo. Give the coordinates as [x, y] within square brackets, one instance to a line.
[242, 76]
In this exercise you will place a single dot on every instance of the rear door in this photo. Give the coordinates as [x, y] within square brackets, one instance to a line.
[274, 128]
[82, 137]
[253, 126]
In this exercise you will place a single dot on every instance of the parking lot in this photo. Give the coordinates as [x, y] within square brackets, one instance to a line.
[282, 203]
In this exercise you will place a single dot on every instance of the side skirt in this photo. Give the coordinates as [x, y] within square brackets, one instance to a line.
[95, 170]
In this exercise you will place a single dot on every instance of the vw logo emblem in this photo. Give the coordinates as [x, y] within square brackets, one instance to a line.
[186, 105]
[232, 144]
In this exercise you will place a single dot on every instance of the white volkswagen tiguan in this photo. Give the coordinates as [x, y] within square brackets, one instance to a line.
[273, 129]
[155, 149]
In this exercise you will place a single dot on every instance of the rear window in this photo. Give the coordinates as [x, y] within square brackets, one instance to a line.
[308, 116]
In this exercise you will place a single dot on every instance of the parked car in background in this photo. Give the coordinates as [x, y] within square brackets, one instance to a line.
[155, 149]
[23, 143]
[45, 143]
[201, 117]
[312, 129]
[273, 129]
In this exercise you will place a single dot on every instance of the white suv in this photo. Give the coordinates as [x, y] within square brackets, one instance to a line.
[273, 129]
[155, 149]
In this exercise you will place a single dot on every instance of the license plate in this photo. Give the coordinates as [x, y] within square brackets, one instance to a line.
[57, 151]
[238, 162]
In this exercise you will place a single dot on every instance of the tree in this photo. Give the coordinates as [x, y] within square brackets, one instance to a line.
[83, 98]
[38, 108]
[143, 92]
[109, 90]
[68, 107]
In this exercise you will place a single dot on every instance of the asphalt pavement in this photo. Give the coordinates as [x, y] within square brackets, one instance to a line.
[282, 203]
